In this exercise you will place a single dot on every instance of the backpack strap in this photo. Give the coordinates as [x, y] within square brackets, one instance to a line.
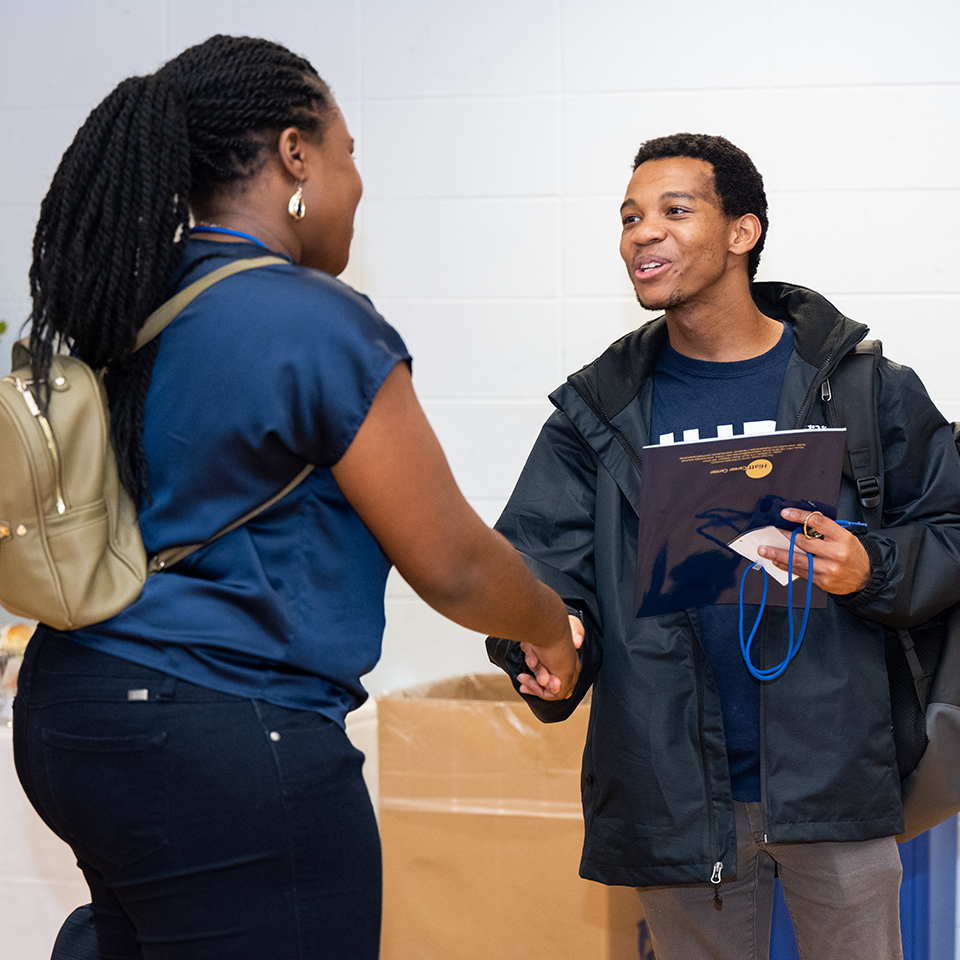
[854, 406]
[851, 402]
[166, 558]
[152, 326]
[167, 311]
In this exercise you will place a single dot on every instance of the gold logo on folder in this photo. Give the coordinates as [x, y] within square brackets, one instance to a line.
[758, 468]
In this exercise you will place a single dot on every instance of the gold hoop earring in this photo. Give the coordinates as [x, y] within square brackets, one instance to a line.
[295, 207]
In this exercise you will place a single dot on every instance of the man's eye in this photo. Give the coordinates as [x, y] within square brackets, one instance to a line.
[630, 218]
[674, 211]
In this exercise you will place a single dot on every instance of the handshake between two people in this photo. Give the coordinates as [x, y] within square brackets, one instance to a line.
[553, 670]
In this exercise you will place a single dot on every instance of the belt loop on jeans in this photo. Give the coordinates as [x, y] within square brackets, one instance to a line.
[165, 688]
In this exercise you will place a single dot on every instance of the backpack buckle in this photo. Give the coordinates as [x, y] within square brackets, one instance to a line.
[868, 491]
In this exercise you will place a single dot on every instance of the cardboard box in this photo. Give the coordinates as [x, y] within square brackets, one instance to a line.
[482, 828]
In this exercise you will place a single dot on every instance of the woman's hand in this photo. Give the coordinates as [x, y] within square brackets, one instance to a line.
[553, 670]
[840, 562]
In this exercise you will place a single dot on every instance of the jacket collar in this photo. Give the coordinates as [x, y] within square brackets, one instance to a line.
[599, 397]
[821, 334]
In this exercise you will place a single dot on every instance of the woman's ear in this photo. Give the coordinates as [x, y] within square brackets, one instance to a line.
[292, 148]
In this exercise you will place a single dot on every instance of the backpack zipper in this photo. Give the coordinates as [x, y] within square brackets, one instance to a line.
[23, 386]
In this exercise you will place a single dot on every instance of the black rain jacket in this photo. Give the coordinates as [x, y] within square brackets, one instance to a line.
[655, 783]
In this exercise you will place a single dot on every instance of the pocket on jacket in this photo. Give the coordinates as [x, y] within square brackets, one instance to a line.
[109, 794]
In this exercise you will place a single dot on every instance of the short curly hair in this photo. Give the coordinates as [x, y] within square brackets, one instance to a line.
[736, 180]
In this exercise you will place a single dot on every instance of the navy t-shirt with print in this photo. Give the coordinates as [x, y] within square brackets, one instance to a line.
[699, 400]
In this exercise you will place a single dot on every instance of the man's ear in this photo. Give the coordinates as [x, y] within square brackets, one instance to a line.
[746, 231]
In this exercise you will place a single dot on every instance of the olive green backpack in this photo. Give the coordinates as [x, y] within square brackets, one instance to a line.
[70, 547]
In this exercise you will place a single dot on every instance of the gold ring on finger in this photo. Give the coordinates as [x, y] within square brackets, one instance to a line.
[811, 534]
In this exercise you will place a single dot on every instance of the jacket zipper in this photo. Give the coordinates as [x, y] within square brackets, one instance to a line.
[815, 384]
[23, 386]
[820, 379]
[717, 874]
[715, 880]
[711, 816]
[625, 441]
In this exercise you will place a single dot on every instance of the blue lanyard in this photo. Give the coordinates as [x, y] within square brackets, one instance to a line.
[230, 233]
[793, 647]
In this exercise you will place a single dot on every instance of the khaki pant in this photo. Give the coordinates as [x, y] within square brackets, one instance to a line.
[843, 899]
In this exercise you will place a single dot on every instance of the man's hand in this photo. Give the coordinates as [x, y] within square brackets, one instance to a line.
[840, 562]
[553, 670]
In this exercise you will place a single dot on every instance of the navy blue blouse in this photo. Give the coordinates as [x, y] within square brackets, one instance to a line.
[265, 371]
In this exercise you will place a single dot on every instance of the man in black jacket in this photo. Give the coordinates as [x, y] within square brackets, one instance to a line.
[700, 782]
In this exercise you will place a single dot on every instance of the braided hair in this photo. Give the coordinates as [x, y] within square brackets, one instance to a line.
[114, 223]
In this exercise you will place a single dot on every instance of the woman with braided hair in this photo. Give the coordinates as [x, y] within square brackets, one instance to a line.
[191, 748]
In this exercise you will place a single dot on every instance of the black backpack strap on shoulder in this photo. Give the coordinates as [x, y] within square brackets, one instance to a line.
[851, 402]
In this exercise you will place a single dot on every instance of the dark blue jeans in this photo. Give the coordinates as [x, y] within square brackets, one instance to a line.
[207, 825]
